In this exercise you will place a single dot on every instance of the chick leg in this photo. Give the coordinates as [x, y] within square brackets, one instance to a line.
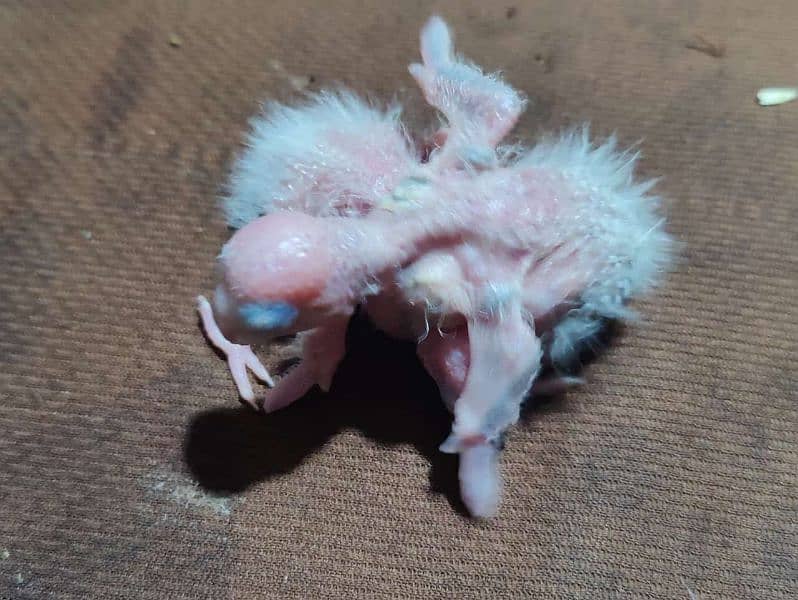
[322, 352]
[239, 357]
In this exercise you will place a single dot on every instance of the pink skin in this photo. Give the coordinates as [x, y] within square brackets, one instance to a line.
[494, 254]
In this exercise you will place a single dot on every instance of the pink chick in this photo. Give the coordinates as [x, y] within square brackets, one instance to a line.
[519, 255]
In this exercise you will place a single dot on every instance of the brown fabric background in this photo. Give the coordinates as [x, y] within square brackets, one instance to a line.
[673, 472]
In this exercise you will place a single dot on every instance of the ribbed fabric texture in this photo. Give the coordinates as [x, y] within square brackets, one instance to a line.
[129, 470]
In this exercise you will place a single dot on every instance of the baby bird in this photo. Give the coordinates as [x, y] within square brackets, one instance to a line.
[517, 255]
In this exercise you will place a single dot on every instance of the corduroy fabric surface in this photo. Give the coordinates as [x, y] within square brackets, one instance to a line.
[127, 467]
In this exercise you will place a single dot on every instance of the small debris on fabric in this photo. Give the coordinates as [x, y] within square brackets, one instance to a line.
[87, 235]
[772, 96]
[547, 61]
[690, 592]
[703, 45]
[4, 554]
[175, 41]
[299, 82]
[186, 493]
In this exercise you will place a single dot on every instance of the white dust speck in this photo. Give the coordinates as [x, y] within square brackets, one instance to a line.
[4, 554]
[297, 82]
[86, 234]
[776, 95]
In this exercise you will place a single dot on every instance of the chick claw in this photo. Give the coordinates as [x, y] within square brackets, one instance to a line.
[239, 357]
